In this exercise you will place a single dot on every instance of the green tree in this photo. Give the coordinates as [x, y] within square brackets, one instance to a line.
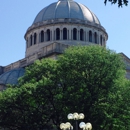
[32, 105]
[119, 2]
[92, 79]
[88, 79]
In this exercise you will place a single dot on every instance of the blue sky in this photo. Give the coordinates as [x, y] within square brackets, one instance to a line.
[17, 15]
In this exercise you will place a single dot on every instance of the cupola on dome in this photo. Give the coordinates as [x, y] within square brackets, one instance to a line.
[68, 9]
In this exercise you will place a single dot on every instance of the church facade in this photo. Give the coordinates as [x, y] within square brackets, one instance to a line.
[56, 27]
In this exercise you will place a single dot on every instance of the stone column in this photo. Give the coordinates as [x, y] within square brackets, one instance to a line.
[67, 34]
[60, 34]
[39, 37]
[33, 39]
[72, 34]
[45, 38]
[52, 35]
[78, 35]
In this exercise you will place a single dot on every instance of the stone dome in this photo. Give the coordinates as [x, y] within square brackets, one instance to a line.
[11, 77]
[66, 9]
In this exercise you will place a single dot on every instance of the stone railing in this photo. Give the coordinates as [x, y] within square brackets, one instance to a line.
[56, 48]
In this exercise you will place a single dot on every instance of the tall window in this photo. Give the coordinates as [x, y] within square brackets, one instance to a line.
[48, 35]
[31, 40]
[101, 39]
[90, 36]
[35, 38]
[27, 45]
[64, 34]
[81, 35]
[74, 34]
[104, 40]
[95, 37]
[57, 34]
[42, 36]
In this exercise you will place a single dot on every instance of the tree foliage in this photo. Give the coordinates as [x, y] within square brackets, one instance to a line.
[119, 2]
[88, 79]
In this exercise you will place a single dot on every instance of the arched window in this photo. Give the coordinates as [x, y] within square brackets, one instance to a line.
[95, 37]
[31, 40]
[101, 39]
[42, 36]
[27, 45]
[48, 35]
[104, 40]
[81, 34]
[90, 36]
[35, 38]
[74, 34]
[64, 34]
[57, 34]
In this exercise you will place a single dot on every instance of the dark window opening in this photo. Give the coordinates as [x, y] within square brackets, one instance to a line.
[31, 40]
[35, 38]
[64, 34]
[95, 37]
[81, 35]
[48, 35]
[57, 34]
[90, 36]
[74, 34]
[101, 39]
[42, 36]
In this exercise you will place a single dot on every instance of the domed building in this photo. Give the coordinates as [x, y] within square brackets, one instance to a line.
[55, 28]
[66, 22]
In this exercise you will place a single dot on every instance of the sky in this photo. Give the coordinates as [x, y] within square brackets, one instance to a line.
[17, 15]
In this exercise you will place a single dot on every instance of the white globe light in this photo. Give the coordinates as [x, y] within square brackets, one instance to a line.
[70, 116]
[82, 125]
[62, 126]
[81, 116]
[88, 126]
[68, 125]
[75, 116]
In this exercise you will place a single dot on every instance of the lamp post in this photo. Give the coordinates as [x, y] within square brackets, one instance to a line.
[75, 116]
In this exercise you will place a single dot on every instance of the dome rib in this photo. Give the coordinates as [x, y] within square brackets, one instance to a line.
[11, 77]
[91, 13]
[44, 13]
[56, 8]
[7, 78]
[66, 9]
[80, 10]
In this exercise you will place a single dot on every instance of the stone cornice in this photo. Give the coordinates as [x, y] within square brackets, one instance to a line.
[66, 21]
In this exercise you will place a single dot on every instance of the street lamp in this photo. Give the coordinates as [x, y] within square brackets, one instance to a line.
[86, 126]
[75, 116]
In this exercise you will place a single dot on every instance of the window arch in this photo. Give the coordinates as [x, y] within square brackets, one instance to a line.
[101, 39]
[64, 33]
[81, 34]
[31, 40]
[57, 34]
[35, 38]
[90, 36]
[48, 35]
[74, 34]
[95, 37]
[42, 36]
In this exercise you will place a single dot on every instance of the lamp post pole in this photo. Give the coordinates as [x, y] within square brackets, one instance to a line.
[75, 116]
